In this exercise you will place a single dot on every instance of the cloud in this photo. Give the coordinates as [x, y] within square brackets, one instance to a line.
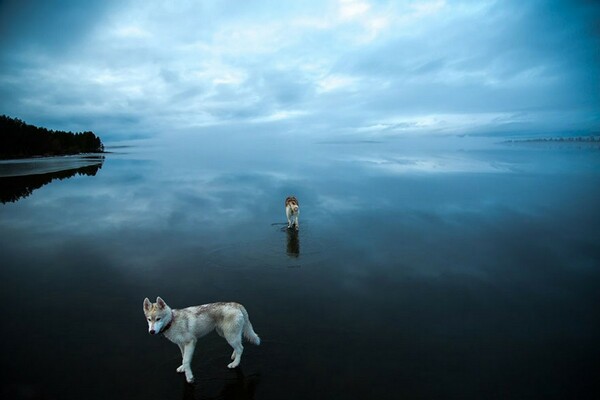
[346, 66]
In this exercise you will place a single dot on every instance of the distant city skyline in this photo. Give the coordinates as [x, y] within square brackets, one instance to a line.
[373, 68]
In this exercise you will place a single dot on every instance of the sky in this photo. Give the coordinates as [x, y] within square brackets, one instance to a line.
[138, 68]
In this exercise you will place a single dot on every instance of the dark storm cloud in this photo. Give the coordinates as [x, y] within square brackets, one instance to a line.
[337, 66]
[48, 25]
[526, 57]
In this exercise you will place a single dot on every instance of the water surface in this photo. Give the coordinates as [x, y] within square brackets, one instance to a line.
[447, 268]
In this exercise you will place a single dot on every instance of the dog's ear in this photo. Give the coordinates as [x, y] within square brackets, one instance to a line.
[147, 304]
[161, 303]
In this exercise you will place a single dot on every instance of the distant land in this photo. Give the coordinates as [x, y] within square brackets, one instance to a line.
[19, 140]
[569, 139]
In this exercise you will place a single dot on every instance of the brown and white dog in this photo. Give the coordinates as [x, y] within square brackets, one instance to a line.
[185, 326]
[292, 210]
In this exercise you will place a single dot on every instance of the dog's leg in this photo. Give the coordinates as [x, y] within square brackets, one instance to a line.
[296, 222]
[235, 341]
[180, 369]
[187, 359]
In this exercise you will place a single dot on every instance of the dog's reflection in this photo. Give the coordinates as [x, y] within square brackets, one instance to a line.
[293, 243]
[239, 388]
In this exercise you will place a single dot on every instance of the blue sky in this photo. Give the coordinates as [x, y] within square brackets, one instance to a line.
[372, 68]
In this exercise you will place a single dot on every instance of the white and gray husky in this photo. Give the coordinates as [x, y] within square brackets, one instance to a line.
[184, 327]
[292, 210]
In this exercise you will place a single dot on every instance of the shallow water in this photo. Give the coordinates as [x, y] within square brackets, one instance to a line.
[438, 268]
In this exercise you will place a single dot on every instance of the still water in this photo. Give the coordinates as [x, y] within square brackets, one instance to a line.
[432, 268]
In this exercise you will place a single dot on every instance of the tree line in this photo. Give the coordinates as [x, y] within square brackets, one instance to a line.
[19, 139]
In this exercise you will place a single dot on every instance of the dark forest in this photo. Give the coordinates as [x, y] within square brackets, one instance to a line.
[19, 139]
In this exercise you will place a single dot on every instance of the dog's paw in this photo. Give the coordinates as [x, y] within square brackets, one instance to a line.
[180, 369]
[190, 380]
[233, 365]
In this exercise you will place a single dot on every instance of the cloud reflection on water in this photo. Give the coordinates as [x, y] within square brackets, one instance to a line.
[486, 271]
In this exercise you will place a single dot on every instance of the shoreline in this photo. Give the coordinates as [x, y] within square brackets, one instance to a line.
[46, 156]
[48, 165]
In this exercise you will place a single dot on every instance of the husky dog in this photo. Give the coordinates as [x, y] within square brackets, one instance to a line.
[292, 211]
[184, 327]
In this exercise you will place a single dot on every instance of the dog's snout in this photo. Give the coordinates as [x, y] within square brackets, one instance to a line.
[152, 331]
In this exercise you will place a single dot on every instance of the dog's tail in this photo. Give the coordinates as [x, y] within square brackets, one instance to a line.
[249, 333]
